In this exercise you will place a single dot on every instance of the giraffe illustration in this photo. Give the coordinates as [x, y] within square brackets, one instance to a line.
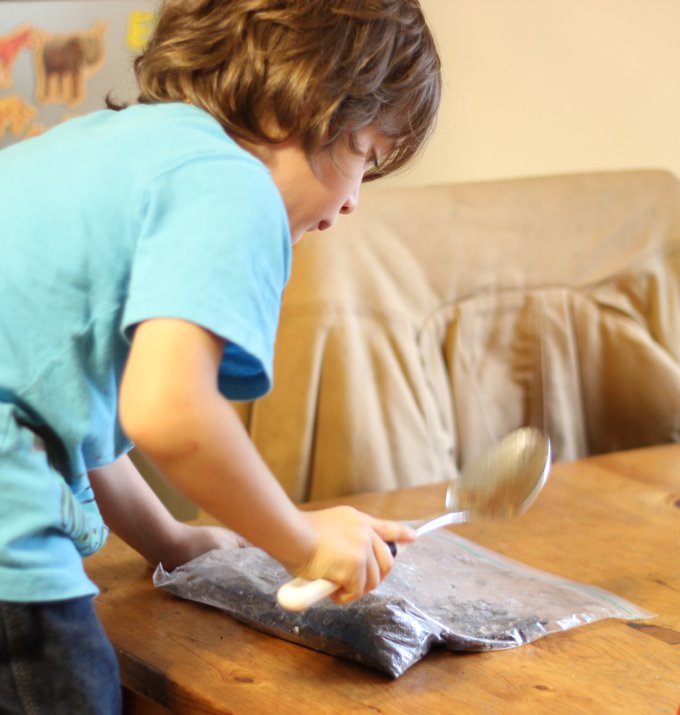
[10, 46]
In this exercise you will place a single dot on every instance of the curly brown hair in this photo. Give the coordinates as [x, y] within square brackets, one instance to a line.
[322, 69]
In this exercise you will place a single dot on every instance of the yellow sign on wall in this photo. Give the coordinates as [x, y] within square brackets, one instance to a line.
[140, 26]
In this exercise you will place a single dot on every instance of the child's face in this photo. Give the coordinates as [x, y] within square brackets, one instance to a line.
[316, 195]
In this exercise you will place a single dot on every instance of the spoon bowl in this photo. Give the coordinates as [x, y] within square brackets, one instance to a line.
[501, 483]
[504, 481]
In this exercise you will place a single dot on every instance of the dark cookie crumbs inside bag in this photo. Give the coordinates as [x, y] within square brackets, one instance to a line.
[443, 591]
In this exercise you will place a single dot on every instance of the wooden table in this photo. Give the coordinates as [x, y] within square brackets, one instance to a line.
[612, 521]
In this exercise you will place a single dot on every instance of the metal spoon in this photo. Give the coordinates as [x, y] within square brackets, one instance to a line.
[502, 483]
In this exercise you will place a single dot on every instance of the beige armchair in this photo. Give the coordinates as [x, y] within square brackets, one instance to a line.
[434, 320]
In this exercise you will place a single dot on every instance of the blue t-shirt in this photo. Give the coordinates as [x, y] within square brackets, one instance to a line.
[106, 221]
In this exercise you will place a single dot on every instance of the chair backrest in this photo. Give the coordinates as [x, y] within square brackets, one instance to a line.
[434, 320]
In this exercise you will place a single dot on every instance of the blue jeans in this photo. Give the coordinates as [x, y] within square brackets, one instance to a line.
[55, 659]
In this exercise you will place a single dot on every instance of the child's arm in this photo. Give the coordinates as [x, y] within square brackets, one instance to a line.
[132, 510]
[171, 408]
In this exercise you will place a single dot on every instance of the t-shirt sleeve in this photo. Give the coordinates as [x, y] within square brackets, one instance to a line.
[214, 249]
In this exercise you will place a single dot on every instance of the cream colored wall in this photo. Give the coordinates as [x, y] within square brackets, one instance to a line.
[550, 86]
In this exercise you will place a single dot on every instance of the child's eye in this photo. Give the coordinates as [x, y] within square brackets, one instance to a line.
[372, 162]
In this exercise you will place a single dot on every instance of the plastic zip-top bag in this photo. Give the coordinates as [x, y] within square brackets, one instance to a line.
[442, 591]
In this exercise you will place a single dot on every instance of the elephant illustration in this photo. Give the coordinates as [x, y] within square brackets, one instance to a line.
[64, 62]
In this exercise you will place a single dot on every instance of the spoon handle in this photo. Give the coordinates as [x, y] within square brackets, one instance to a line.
[430, 524]
[445, 519]
[299, 594]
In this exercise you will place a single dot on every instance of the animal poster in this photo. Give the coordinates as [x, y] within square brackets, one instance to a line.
[60, 59]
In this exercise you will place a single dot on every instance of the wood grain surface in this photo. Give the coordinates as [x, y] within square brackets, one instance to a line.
[612, 521]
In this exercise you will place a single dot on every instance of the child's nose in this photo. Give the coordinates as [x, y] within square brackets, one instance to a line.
[350, 202]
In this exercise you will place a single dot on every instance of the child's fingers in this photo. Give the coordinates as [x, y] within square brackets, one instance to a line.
[393, 531]
[377, 566]
[353, 552]
[383, 557]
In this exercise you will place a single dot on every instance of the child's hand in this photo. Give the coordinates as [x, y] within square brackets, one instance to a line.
[351, 550]
[191, 541]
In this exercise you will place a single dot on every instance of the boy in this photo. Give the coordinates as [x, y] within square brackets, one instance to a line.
[144, 253]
